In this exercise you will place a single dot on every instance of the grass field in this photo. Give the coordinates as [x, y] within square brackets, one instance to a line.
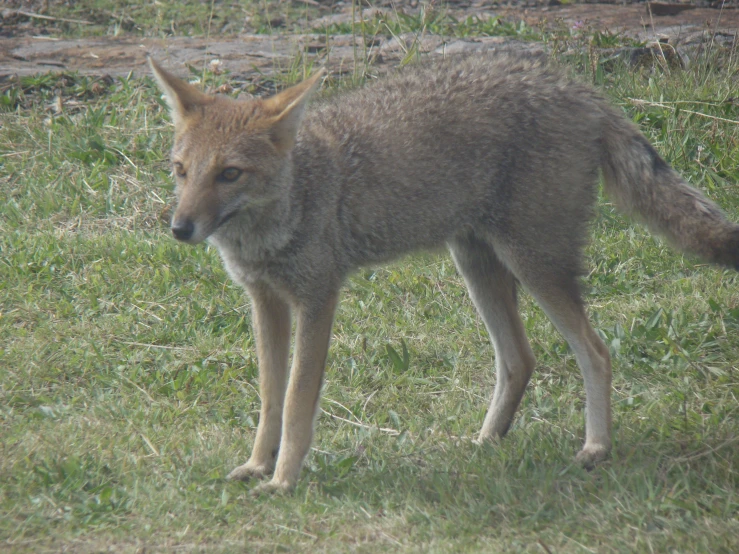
[128, 374]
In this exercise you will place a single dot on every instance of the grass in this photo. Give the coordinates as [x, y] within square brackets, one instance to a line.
[128, 375]
[168, 17]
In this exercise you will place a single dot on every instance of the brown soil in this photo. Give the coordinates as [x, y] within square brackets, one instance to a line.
[21, 53]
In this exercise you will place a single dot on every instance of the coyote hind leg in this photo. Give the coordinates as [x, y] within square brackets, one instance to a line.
[493, 290]
[559, 296]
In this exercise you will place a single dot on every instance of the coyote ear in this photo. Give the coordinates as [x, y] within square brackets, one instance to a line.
[182, 97]
[287, 108]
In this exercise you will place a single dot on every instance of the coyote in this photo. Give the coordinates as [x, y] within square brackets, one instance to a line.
[495, 155]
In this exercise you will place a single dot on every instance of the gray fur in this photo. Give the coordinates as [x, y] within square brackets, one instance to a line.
[496, 156]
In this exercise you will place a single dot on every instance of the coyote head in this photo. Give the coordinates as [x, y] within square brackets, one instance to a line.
[229, 155]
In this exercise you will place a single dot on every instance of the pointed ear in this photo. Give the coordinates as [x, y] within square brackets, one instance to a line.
[287, 108]
[182, 97]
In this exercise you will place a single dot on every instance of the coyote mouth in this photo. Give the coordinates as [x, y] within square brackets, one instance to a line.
[225, 218]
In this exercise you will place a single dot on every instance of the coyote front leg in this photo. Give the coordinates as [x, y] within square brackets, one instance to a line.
[313, 332]
[271, 323]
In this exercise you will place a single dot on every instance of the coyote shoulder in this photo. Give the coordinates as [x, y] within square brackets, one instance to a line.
[496, 156]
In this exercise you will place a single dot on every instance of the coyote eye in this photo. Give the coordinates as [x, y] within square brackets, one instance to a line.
[179, 170]
[230, 174]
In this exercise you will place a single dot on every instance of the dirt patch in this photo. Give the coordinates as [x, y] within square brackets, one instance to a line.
[244, 54]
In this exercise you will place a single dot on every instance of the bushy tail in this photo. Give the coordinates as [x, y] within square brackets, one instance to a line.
[642, 184]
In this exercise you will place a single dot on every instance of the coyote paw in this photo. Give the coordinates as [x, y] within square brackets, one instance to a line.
[487, 438]
[250, 471]
[272, 487]
[591, 454]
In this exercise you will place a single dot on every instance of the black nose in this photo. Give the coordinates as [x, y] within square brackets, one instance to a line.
[183, 230]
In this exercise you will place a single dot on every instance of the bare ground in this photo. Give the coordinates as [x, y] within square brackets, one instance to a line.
[23, 53]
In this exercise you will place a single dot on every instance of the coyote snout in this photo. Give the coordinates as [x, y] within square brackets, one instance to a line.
[196, 219]
[182, 229]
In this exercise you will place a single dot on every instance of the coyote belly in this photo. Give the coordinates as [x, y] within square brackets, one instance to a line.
[495, 156]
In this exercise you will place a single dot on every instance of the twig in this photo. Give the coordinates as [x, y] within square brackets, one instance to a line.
[701, 102]
[148, 443]
[207, 41]
[344, 407]
[706, 452]
[49, 18]
[314, 537]
[391, 538]
[544, 546]
[130, 343]
[718, 22]
[142, 390]
[638, 101]
[392, 432]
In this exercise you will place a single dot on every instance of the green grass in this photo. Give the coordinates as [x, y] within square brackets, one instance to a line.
[128, 378]
[170, 17]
